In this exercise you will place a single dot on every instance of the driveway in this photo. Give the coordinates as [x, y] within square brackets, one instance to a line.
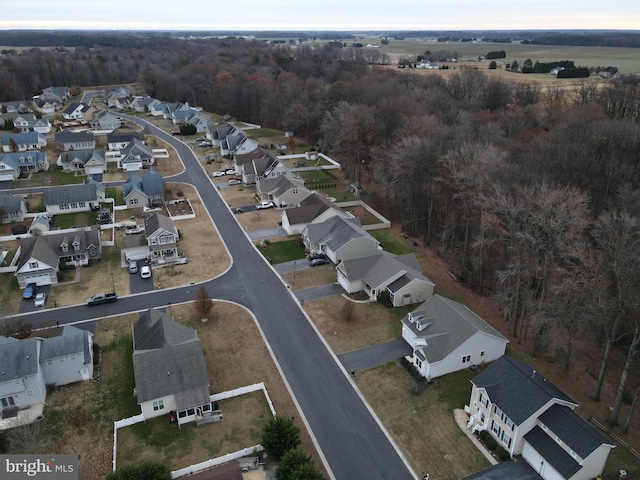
[292, 266]
[321, 291]
[27, 305]
[265, 232]
[137, 284]
[518, 469]
[375, 355]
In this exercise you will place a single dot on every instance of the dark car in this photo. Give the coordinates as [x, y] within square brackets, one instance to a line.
[30, 290]
[320, 261]
[18, 229]
[238, 210]
[313, 256]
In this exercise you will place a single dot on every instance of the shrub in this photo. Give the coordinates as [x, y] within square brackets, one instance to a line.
[580, 72]
[145, 471]
[493, 65]
[279, 435]
[484, 434]
[502, 454]
[491, 443]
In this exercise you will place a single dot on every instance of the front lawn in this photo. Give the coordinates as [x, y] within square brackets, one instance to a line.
[71, 220]
[280, 252]
[391, 242]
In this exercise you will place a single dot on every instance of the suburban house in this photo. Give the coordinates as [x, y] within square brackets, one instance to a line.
[237, 142]
[75, 140]
[136, 156]
[105, 122]
[41, 256]
[74, 198]
[446, 337]
[117, 141]
[12, 165]
[143, 104]
[23, 141]
[28, 122]
[529, 416]
[74, 112]
[315, 208]
[19, 106]
[400, 276]
[143, 190]
[169, 369]
[29, 365]
[12, 208]
[339, 239]
[159, 242]
[258, 163]
[45, 105]
[62, 93]
[40, 224]
[89, 162]
[219, 131]
[111, 98]
[191, 116]
[283, 190]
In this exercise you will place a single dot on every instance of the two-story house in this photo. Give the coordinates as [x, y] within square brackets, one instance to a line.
[105, 122]
[143, 190]
[13, 208]
[529, 416]
[12, 165]
[136, 156]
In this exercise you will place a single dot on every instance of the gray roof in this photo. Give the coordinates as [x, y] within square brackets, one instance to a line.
[445, 325]
[83, 156]
[581, 437]
[86, 192]
[310, 208]
[68, 136]
[136, 147]
[72, 108]
[517, 388]
[553, 453]
[68, 340]
[280, 184]
[168, 360]
[153, 223]
[18, 358]
[221, 130]
[23, 138]
[336, 232]
[378, 268]
[123, 137]
[10, 203]
[47, 248]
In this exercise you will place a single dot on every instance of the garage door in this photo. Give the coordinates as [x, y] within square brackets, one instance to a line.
[539, 464]
[40, 280]
[137, 255]
[94, 170]
[6, 177]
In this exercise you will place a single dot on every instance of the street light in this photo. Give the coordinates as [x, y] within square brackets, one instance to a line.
[113, 283]
[294, 271]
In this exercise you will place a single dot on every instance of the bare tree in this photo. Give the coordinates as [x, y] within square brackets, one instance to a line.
[203, 303]
[27, 438]
[15, 327]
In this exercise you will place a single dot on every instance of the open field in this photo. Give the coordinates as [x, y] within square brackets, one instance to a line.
[627, 60]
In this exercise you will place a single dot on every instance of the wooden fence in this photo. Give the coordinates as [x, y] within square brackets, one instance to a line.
[604, 429]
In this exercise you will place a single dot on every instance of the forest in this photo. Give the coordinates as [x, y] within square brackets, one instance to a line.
[531, 193]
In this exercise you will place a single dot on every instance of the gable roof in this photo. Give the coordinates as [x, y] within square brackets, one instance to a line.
[69, 136]
[168, 360]
[73, 107]
[448, 323]
[11, 203]
[18, 358]
[23, 138]
[123, 137]
[310, 208]
[83, 156]
[336, 232]
[517, 388]
[68, 340]
[280, 185]
[136, 148]
[149, 184]
[85, 192]
[152, 223]
[18, 159]
[47, 248]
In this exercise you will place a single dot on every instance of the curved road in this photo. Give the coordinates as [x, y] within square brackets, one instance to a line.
[352, 442]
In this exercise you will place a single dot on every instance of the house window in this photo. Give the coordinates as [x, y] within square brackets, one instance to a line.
[509, 423]
[81, 204]
[484, 400]
[65, 247]
[573, 454]
[72, 356]
[7, 402]
[191, 411]
[182, 414]
[506, 439]
[544, 427]
[74, 205]
[482, 417]
[466, 358]
[482, 353]
[206, 408]
[61, 359]
[418, 363]
[558, 440]
[158, 405]
[49, 361]
[499, 413]
[29, 393]
[495, 428]
[133, 201]
[295, 190]
[33, 265]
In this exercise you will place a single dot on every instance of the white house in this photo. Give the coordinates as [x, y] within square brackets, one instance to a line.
[23, 141]
[446, 337]
[339, 239]
[315, 208]
[529, 416]
[74, 198]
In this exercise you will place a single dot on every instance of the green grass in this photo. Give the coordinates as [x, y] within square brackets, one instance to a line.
[116, 193]
[391, 242]
[285, 251]
[314, 176]
[70, 220]
[262, 133]
[118, 392]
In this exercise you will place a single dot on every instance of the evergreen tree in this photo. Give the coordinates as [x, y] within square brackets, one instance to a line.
[279, 436]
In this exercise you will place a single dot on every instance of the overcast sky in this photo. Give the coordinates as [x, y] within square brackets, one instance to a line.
[320, 14]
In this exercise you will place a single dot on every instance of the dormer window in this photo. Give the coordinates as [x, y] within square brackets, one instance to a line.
[76, 245]
[64, 247]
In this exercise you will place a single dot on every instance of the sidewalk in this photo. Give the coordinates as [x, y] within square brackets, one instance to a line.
[461, 419]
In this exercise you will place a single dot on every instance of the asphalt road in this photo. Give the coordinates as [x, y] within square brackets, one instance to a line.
[352, 442]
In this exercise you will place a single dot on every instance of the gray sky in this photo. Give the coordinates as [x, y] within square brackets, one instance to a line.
[320, 15]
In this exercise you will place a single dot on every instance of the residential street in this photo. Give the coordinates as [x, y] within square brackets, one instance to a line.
[350, 438]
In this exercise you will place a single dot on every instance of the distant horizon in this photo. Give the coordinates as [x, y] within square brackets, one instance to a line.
[328, 15]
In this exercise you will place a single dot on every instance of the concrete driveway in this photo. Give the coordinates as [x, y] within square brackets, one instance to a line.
[375, 355]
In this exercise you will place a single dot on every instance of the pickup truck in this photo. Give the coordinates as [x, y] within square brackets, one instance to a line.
[99, 298]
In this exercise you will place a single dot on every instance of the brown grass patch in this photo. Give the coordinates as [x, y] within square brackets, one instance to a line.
[310, 277]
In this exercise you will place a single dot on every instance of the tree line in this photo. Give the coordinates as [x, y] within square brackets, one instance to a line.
[531, 193]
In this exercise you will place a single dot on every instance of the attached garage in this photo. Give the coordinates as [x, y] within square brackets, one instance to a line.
[546, 471]
[94, 170]
[40, 279]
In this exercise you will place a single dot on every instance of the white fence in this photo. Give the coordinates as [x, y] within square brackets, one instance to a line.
[216, 461]
[125, 422]
[384, 223]
[241, 391]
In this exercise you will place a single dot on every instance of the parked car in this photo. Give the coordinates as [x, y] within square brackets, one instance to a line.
[320, 261]
[234, 181]
[201, 139]
[145, 271]
[30, 290]
[313, 256]
[218, 174]
[41, 299]
[230, 171]
[206, 144]
[133, 266]
[19, 229]
[238, 210]
[263, 205]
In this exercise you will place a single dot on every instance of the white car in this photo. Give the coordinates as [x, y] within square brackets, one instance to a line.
[262, 205]
[41, 299]
[234, 181]
[230, 171]
[218, 174]
[145, 271]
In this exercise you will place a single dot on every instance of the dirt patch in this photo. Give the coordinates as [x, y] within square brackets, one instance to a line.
[310, 277]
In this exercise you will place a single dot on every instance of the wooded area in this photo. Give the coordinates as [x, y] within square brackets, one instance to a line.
[532, 193]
